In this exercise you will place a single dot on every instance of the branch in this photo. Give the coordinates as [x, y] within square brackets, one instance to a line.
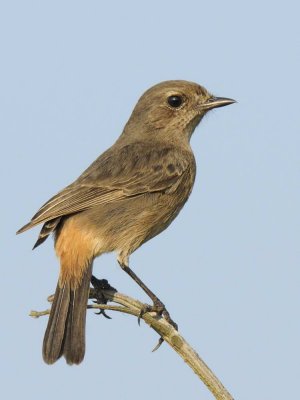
[166, 331]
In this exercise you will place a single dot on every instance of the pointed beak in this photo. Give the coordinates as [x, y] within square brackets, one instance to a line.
[214, 102]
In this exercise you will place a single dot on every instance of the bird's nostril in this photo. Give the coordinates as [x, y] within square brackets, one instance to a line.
[211, 99]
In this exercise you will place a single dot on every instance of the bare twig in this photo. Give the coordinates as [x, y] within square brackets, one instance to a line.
[166, 331]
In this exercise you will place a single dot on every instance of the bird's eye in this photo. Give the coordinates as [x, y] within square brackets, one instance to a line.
[175, 101]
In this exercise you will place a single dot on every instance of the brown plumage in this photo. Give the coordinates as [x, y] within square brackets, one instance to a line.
[128, 195]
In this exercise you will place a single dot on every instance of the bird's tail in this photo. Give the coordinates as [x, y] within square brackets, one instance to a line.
[65, 333]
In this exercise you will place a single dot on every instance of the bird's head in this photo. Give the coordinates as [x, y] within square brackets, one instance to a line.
[171, 109]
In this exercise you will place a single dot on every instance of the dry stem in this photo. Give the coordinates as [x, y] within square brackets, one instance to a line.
[131, 306]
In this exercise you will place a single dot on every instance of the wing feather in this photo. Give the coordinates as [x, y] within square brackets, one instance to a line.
[119, 173]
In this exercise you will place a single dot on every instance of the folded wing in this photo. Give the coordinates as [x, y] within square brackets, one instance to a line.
[117, 174]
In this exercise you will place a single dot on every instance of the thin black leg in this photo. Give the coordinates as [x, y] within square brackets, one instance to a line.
[158, 306]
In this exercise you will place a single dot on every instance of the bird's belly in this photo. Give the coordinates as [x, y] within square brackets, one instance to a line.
[127, 224]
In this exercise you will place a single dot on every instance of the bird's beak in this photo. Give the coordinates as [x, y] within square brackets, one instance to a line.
[214, 102]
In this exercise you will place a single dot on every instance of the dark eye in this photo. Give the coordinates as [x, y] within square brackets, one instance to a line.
[175, 101]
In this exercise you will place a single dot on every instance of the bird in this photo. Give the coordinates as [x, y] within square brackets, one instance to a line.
[128, 195]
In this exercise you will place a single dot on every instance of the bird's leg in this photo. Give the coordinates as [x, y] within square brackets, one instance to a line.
[99, 286]
[158, 305]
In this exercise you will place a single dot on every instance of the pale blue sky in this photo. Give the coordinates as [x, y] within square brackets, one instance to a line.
[71, 73]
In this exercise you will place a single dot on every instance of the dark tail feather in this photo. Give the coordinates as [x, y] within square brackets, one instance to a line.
[74, 341]
[54, 334]
[65, 333]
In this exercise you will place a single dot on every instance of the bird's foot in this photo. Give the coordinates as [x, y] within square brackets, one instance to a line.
[100, 285]
[159, 308]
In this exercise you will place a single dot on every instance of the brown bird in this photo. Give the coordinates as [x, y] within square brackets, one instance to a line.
[131, 193]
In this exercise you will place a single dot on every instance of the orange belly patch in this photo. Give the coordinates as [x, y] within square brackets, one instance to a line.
[76, 248]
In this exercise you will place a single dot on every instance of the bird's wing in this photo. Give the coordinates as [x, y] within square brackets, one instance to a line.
[117, 174]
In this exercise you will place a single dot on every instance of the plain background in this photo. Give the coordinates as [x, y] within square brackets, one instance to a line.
[228, 267]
